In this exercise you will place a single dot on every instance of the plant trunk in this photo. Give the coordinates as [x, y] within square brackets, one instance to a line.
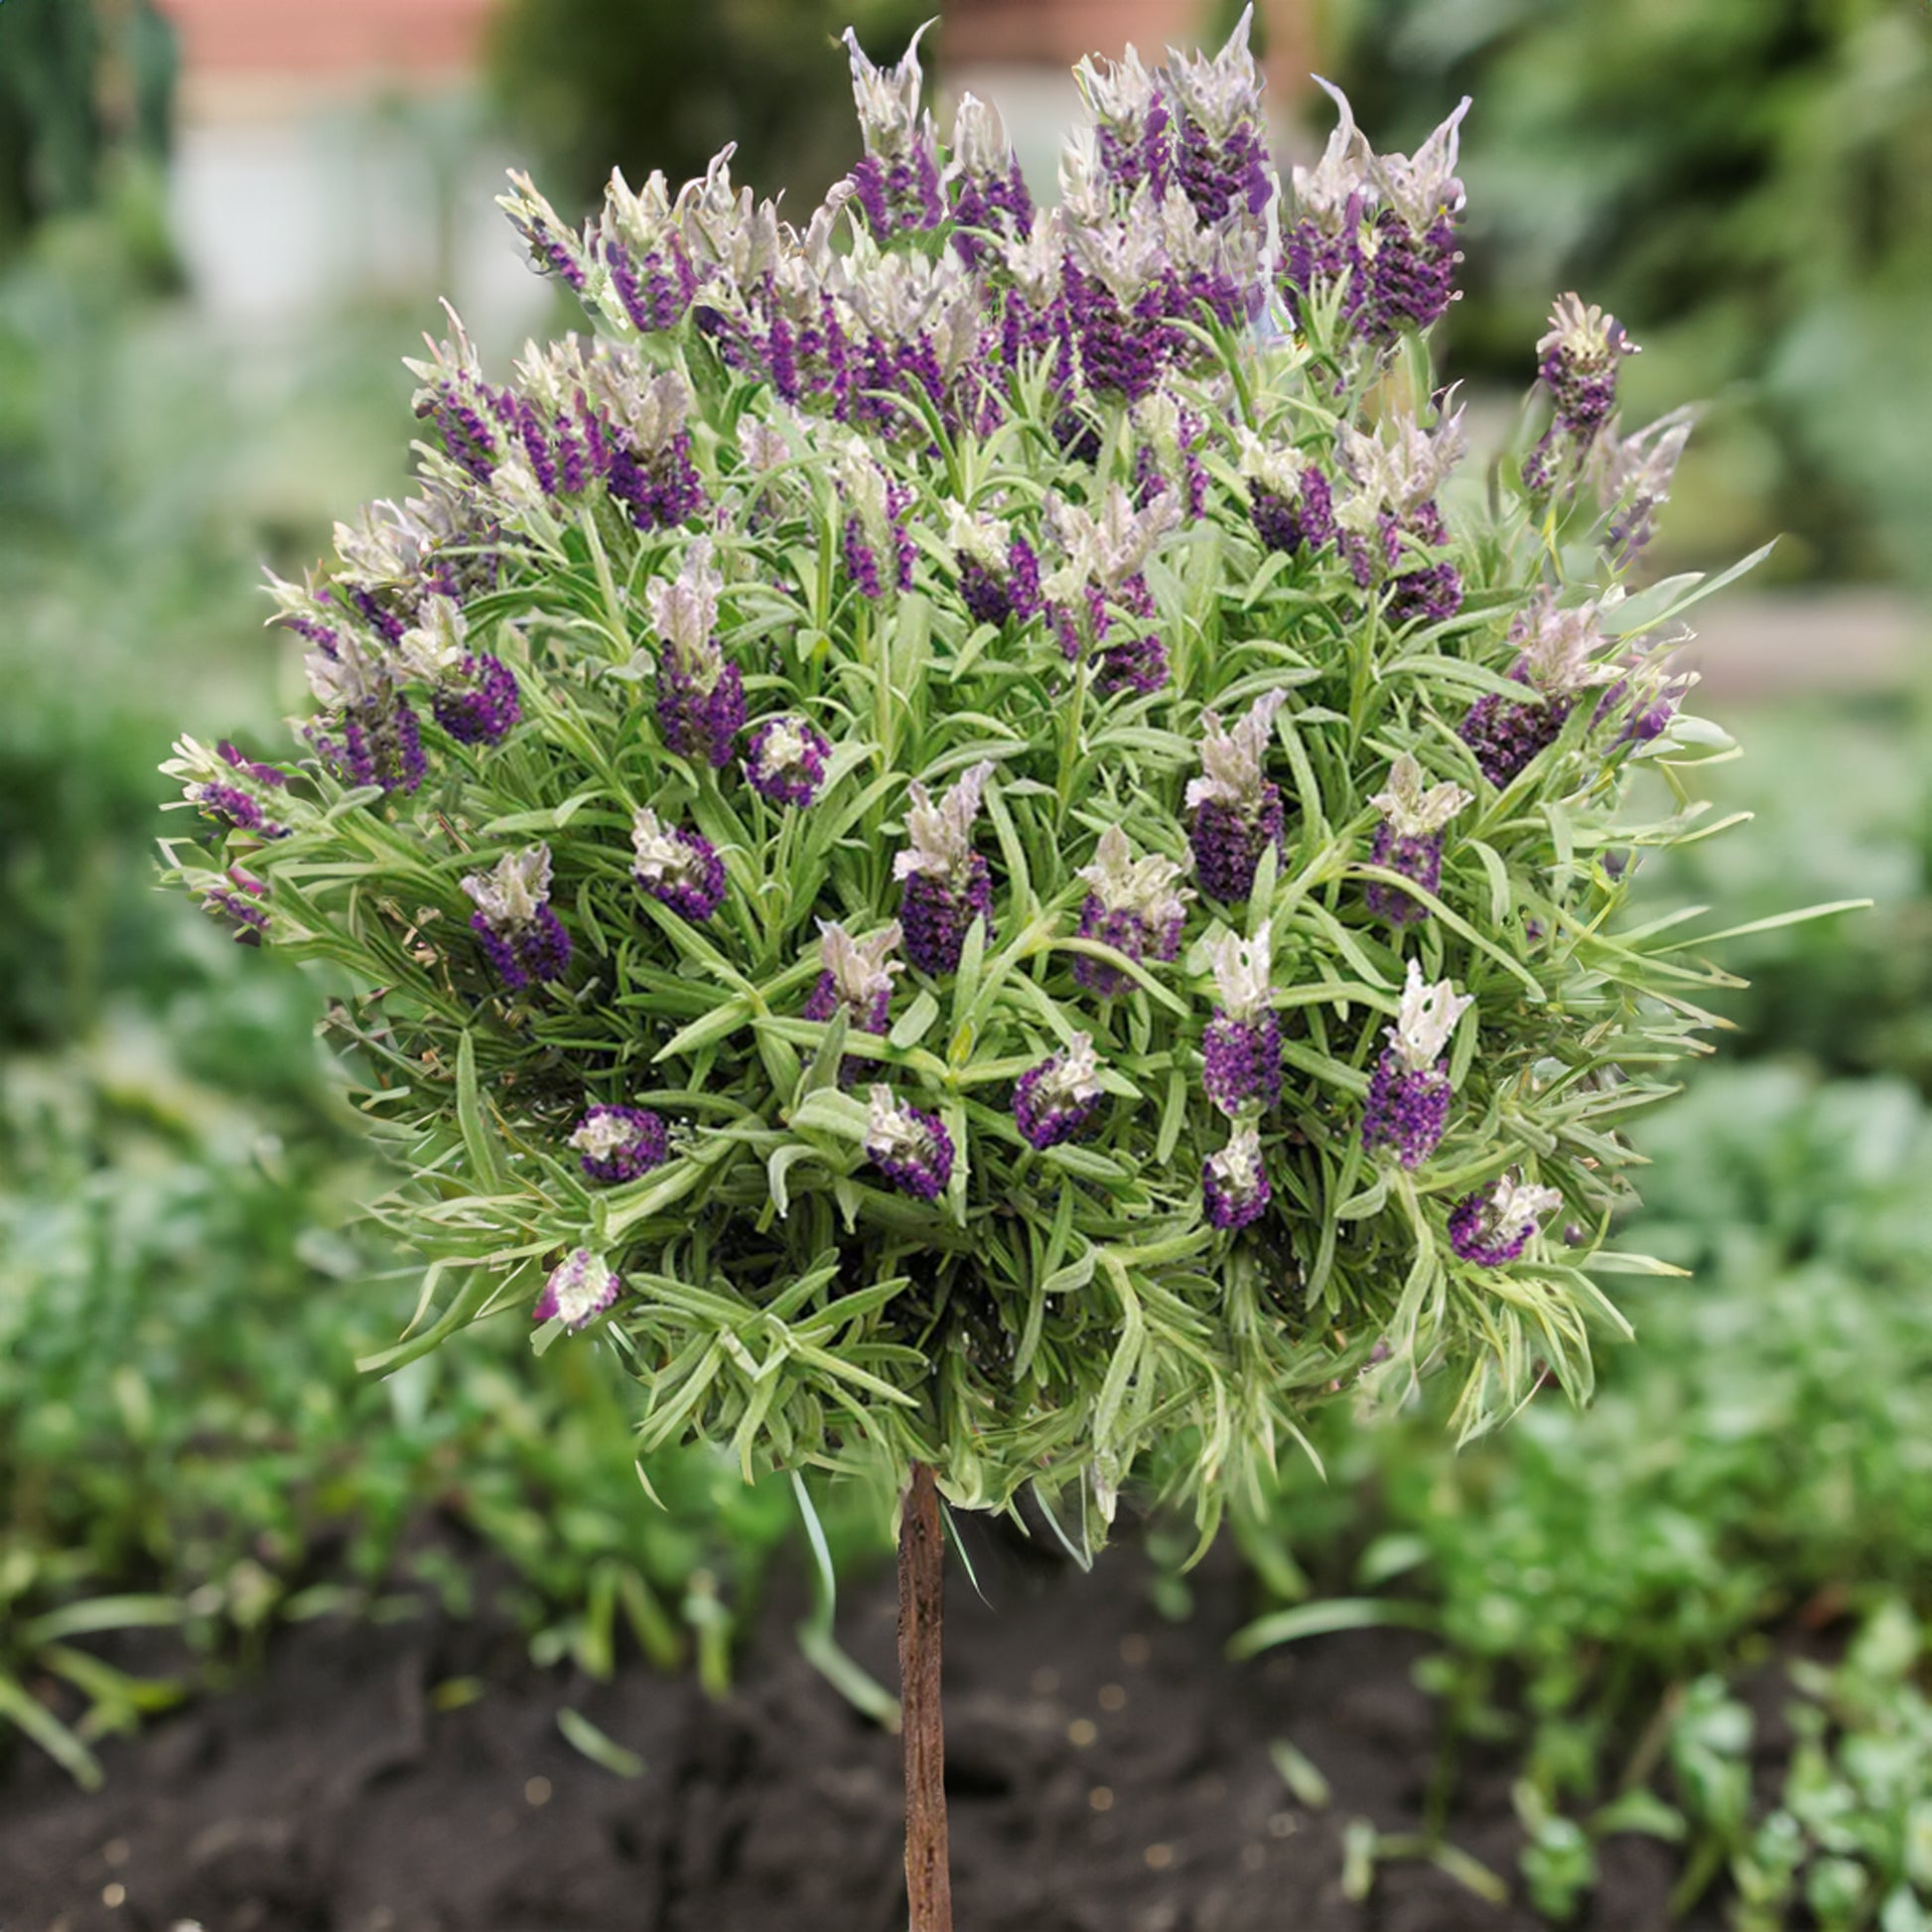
[921, 1597]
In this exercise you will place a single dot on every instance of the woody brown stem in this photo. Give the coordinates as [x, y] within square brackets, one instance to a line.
[921, 1597]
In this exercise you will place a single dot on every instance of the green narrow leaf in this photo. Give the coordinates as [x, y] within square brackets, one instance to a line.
[479, 1139]
[1321, 1619]
[597, 1747]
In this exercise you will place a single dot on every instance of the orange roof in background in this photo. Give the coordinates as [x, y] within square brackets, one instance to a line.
[328, 39]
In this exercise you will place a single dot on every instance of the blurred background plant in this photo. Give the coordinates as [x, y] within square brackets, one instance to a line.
[184, 1439]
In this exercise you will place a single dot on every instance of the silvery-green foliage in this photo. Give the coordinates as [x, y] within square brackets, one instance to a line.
[877, 675]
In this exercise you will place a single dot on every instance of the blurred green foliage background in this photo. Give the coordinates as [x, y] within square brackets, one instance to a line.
[183, 1289]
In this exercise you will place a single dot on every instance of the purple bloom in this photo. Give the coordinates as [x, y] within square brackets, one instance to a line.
[519, 934]
[947, 884]
[1234, 1183]
[1054, 1101]
[1237, 812]
[1577, 363]
[999, 571]
[617, 1144]
[785, 762]
[1381, 228]
[579, 1289]
[1133, 906]
[238, 903]
[477, 704]
[1303, 521]
[1493, 1229]
[1135, 142]
[896, 184]
[263, 774]
[366, 730]
[678, 866]
[857, 978]
[699, 723]
[1409, 1092]
[1507, 737]
[990, 193]
[700, 694]
[1241, 1050]
[1561, 656]
[909, 1147]
[231, 806]
[1138, 664]
[1633, 478]
[1409, 840]
[1220, 148]
[554, 250]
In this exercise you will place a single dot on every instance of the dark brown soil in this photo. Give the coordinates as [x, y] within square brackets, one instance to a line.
[1108, 1772]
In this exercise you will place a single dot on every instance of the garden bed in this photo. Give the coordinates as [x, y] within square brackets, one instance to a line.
[367, 1781]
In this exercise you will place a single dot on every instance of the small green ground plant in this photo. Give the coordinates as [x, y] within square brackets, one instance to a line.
[1752, 1487]
[961, 837]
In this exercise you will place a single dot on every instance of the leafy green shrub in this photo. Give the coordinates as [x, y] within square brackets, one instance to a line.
[1047, 535]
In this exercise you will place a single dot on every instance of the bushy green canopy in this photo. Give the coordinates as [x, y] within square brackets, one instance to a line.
[1112, 580]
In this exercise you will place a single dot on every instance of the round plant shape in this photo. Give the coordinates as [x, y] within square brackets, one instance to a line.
[963, 835]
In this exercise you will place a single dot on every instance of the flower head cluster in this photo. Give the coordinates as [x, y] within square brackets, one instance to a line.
[651, 756]
[1493, 1229]
[909, 1146]
[1409, 838]
[1559, 653]
[1409, 1092]
[678, 866]
[947, 884]
[581, 1287]
[1577, 363]
[1376, 233]
[1241, 1051]
[856, 976]
[1237, 812]
[618, 1144]
[1055, 1099]
[520, 936]
[1134, 905]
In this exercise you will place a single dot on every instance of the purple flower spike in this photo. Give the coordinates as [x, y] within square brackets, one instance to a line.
[1562, 656]
[947, 884]
[1234, 1183]
[896, 184]
[1577, 363]
[909, 1147]
[520, 936]
[231, 806]
[857, 978]
[579, 1289]
[1139, 665]
[1237, 812]
[1409, 839]
[785, 762]
[263, 774]
[700, 694]
[1493, 1229]
[999, 572]
[1241, 1050]
[238, 905]
[1054, 1101]
[1289, 499]
[1409, 1092]
[1221, 148]
[478, 704]
[990, 192]
[618, 1144]
[678, 867]
[1133, 906]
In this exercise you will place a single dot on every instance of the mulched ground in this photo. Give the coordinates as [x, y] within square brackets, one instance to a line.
[1109, 1773]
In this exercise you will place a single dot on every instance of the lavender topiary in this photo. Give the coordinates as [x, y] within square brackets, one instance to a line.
[1006, 783]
